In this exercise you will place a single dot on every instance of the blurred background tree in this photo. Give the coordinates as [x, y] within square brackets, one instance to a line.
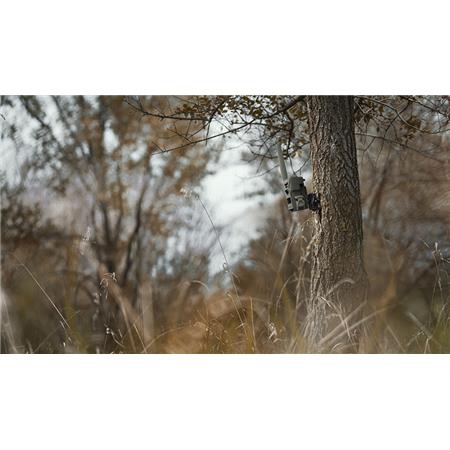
[95, 204]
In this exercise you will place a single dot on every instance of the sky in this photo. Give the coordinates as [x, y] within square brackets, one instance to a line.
[241, 216]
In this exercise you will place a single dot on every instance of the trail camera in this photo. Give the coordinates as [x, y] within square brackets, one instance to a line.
[294, 187]
[296, 194]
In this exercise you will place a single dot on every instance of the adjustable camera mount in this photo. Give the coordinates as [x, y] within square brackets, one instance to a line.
[294, 187]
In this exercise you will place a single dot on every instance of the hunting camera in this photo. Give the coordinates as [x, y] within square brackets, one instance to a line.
[295, 190]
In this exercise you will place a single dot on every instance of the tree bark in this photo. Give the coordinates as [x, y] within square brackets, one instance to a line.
[338, 277]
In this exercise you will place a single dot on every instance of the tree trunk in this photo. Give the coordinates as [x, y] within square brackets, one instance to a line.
[338, 277]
